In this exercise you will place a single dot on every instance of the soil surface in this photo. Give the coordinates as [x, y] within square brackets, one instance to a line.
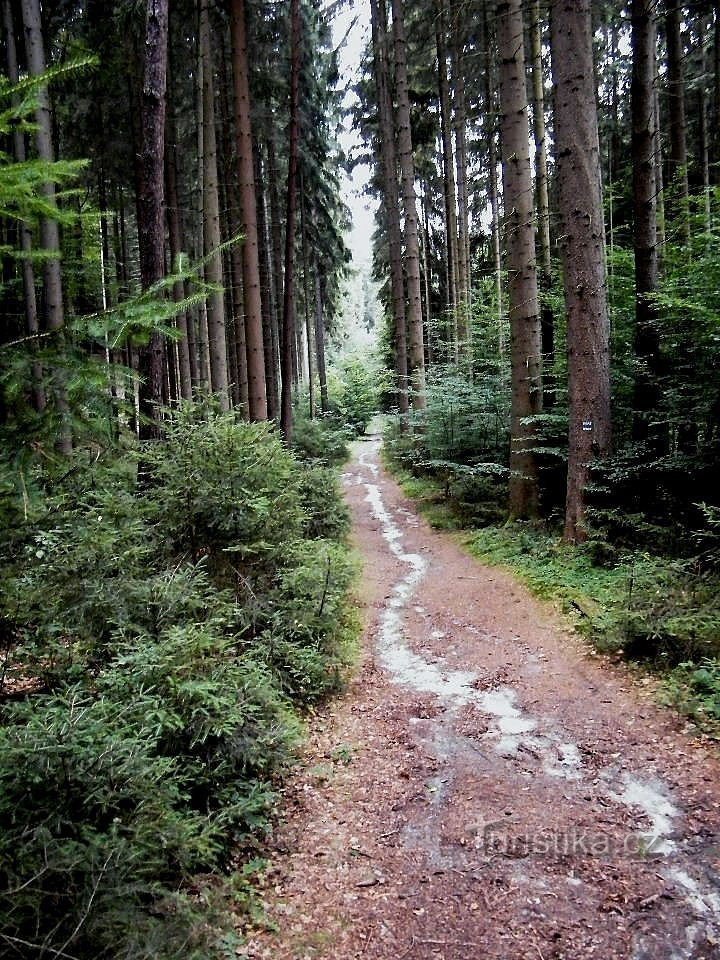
[488, 788]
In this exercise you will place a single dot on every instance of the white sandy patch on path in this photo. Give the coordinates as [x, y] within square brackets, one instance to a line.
[510, 730]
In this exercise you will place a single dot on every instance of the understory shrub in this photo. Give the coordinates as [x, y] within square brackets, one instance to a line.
[694, 688]
[355, 386]
[161, 640]
[323, 440]
[326, 515]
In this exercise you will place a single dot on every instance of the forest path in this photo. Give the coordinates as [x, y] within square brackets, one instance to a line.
[487, 788]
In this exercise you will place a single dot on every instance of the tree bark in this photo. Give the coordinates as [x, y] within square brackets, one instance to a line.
[416, 350]
[461, 164]
[540, 137]
[583, 250]
[489, 131]
[715, 166]
[32, 320]
[269, 304]
[288, 321]
[677, 121]
[388, 166]
[275, 229]
[239, 345]
[230, 227]
[151, 201]
[451, 225]
[175, 234]
[526, 346]
[320, 342]
[309, 312]
[547, 322]
[211, 221]
[702, 25]
[257, 391]
[659, 182]
[201, 340]
[426, 268]
[49, 231]
[644, 154]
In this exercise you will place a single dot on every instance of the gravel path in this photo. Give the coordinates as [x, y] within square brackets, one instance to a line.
[487, 788]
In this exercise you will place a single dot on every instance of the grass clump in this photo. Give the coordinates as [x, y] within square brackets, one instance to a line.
[161, 641]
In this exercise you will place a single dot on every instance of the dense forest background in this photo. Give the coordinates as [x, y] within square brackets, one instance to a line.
[549, 246]
[172, 404]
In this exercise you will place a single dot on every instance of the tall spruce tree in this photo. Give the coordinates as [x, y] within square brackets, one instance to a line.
[526, 348]
[577, 150]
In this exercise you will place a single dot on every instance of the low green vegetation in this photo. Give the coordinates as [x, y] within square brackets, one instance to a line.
[165, 623]
[653, 608]
[355, 389]
[356, 384]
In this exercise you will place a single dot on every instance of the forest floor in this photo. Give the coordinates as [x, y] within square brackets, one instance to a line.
[488, 787]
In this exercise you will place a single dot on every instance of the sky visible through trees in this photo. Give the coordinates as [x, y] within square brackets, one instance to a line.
[352, 25]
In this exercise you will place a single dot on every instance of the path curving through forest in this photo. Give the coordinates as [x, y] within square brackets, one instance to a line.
[487, 788]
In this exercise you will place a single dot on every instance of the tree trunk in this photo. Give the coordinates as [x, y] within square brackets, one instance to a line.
[49, 231]
[677, 121]
[320, 342]
[540, 137]
[521, 264]
[32, 321]
[275, 229]
[461, 164]
[703, 136]
[427, 279]
[659, 182]
[239, 344]
[715, 166]
[416, 350]
[309, 321]
[583, 249]
[269, 304]
[288, 321]
[201, 339]
[644, 153]
[391, 195]
[175, 234]
[248, 205]
[150, 203]
[211, 221]
[108, 299]
[489, 131]
[451, 227]
[547, 323]
[230, 227]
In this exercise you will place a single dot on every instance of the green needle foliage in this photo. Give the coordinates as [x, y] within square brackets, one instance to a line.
[160, 641]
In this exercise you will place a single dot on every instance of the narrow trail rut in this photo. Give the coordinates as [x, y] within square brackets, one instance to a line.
[487, 788]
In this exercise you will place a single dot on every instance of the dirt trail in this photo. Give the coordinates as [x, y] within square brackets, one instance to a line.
[488, 789]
